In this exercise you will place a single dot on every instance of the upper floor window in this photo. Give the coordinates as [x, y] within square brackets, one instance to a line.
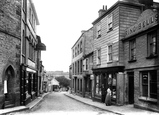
[110, 22]
[152, 43]
[98, 31]
[73, 53]
[81, 47]
[30, 14]
[24, 4]
[149, 84]
[133, 49]
[98, 56]
[87, 64]
[110, 53]
[24, 44]
[78, 50]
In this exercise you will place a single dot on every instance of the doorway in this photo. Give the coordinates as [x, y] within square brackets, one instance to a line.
[131, 87]
[9, 82]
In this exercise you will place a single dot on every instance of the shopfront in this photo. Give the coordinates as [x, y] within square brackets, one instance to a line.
[142, 66]
[112, 78]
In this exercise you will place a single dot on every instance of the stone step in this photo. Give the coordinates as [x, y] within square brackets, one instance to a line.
[8, 104]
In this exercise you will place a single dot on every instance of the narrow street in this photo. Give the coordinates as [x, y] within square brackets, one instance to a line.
[58, 103]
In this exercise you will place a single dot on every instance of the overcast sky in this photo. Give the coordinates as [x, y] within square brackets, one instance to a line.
[61, 23]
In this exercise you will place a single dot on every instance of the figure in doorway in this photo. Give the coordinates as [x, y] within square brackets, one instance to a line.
[108, 97]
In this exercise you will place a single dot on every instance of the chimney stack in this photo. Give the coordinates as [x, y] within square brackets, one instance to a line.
[147, 3]
[102, 11]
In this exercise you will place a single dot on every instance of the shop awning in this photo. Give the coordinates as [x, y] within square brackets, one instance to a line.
[108, 69]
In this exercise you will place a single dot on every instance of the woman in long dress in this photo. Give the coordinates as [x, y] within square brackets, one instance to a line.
[108, 97]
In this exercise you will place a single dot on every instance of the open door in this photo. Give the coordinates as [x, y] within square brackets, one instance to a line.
[131, 87]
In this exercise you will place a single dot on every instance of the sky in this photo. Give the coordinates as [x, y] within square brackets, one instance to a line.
[61, 23]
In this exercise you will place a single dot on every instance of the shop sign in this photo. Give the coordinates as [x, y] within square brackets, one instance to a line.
[31, 64]
[144, 23]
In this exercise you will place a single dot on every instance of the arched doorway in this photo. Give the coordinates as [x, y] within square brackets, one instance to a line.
[9, 81]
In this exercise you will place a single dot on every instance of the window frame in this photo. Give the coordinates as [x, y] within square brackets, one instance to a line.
[132, 50]
[98, 90]
[98, 31]
[110, 53]
[149, 94]
[110, 22]
[98, 52]
[152, 44]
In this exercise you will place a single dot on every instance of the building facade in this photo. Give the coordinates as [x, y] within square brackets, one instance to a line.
[31, 47]
[141, 59]
[108, 30]
[88, 63]
[77, 66]
[10, 53]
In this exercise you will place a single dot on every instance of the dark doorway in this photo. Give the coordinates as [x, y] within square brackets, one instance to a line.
[75, 80]
[131, 87]
[9, 83]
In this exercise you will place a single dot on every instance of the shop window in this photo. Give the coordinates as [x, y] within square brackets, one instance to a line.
[152, 44]
[132, 50]
[149, 84]
[98, 85]
[110, 53]
[112, 85]
[98, 56]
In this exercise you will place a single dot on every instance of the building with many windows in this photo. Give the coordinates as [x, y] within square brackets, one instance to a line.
[31, 46]
[77, 66]
[88, 63]
[108, 67]
[141, 59]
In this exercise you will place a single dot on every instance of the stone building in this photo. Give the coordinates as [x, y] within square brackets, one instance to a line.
[108, 67]
[141, 42]
[10, 42]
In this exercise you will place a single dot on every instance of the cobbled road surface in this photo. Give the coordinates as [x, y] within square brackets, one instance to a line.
[56, 103]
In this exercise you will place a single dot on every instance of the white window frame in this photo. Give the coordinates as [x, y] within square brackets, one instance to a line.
[98, 56]
[98, 31]
[141, 91]
[108, 53]
[110, 22]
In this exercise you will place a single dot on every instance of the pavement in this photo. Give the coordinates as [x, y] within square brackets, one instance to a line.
[22, 108]
[121, 110]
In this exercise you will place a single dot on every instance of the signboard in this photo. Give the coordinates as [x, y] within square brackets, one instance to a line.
[31, 64]
[147, 20]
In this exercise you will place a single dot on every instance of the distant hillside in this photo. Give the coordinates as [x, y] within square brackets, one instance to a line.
[57, 73]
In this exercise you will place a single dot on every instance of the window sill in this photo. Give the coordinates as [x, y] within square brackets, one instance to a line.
[110, 30]
[152, 56]
[131, 61]
[110, 62]
[98, 64]
[148, 99]
[98, 36]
